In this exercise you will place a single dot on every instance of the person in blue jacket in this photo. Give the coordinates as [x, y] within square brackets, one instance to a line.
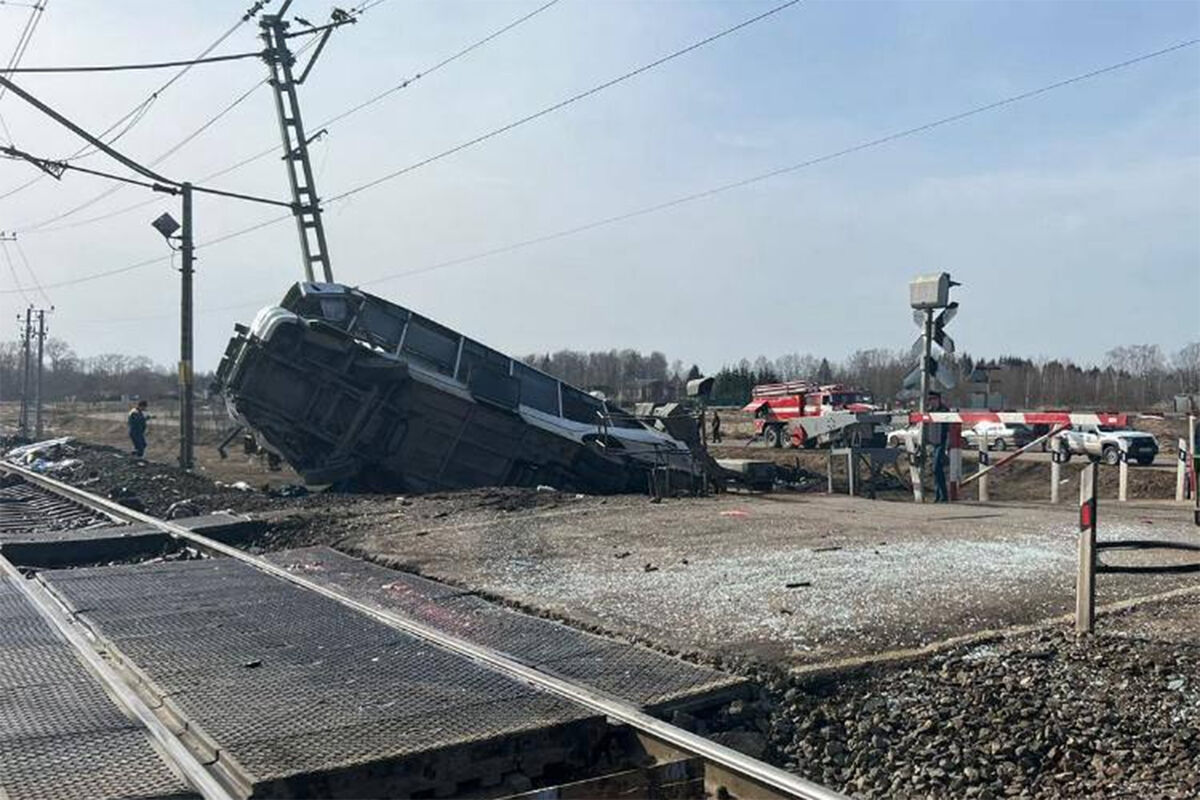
[137, 427]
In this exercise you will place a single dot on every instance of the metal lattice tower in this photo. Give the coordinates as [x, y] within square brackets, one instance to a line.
[306, 204]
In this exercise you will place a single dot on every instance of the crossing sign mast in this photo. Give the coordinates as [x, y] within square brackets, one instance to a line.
[927, 294]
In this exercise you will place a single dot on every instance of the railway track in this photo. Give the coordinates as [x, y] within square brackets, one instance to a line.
[671, 761]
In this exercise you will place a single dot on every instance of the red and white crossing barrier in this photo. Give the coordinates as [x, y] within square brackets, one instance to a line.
[1022, 417]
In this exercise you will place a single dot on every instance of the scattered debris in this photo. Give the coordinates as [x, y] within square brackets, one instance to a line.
[182, 508]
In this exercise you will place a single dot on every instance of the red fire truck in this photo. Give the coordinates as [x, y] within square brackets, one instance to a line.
[806, 414]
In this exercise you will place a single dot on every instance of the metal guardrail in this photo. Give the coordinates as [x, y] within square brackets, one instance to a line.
[764, 779]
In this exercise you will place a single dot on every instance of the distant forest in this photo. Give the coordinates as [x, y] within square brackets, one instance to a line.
[111, 376]
[1134, 376]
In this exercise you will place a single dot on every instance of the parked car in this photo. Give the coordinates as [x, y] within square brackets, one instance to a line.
[1105, 442]
[900, 437]
[997, 435]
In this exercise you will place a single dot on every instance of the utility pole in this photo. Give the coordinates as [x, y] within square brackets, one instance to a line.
[186, 388]
[164, 224]
[37, 392]
[24, 427]
[305, 204]
[7, 237]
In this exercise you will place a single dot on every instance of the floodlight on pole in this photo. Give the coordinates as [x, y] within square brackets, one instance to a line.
[166, 225]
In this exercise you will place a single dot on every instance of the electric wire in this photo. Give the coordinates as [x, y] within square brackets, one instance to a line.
[865, 145]
[566, 102]
[28, 268]
[19, 51]
[763, 176]
[138, 112]
[128, 67]
[111, 190]
[273, 149]
[40, 226]
[31, 24]
[12, 270]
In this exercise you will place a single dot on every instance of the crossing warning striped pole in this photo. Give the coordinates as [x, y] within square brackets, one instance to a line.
[1085, 584]
[954, 478]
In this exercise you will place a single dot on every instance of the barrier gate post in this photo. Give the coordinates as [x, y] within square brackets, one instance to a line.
[1192, 467]
[1123, 475]
[1058, 457]
[1181, 472]
[985, 458]
[1085, 584]
[954, 478]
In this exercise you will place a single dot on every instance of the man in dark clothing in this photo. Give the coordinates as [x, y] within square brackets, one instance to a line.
[137, 427]
[716, 427]
[939, 433]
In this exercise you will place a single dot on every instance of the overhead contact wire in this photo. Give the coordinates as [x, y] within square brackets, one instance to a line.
[269, 151]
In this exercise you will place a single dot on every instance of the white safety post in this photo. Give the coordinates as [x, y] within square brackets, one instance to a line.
[1058, 457]
[954, 477]
[915, 445]
[1192, 467]
[984, 458]
[851, 468]
[1123, 475]
[829, 472]
[1181, 472]
[1085, 584]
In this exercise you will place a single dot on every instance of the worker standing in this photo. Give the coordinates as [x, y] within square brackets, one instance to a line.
[137, 427]
[716, 427]
[938, 437]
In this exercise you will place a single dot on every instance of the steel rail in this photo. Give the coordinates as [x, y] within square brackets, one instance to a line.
[742, 767]
[177, 753]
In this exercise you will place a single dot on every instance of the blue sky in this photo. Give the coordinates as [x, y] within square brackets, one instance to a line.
[1073, 219]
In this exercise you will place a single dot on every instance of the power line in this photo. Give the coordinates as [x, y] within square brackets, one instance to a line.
[720, 189]
[37, 226]
[33, 275]
[5, 239]
[159, 184]
[877, 142]
[568, 101]
[138, 112]
[23, 40]
[34, 19]
[269, 151]
[99, 275]
[12, 270]
[40, 226]
[140, 66]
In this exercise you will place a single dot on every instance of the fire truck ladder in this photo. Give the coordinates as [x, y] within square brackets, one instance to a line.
[305, 203]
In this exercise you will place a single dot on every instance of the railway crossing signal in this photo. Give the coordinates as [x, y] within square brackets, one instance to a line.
[927, 294]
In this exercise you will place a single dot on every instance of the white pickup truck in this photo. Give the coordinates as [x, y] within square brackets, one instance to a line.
[1106, 443]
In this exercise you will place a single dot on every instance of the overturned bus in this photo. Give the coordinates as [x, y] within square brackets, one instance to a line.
[351, 389]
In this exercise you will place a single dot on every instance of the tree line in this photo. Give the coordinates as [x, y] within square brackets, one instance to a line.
[1139, 376]
[1132, 376]
[65, 375]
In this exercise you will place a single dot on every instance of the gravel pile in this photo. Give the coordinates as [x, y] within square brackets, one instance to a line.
[1037, 716]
